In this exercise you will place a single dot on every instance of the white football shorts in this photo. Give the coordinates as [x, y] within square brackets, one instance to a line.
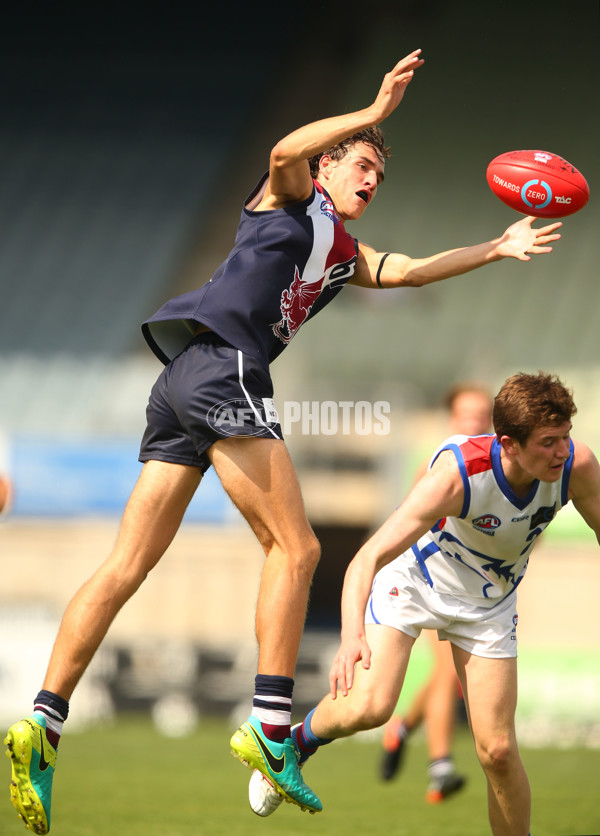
[402, 598]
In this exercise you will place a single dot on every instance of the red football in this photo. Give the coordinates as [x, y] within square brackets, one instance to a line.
[538, 183]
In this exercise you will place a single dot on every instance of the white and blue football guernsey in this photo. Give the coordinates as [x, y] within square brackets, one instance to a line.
[480, 557]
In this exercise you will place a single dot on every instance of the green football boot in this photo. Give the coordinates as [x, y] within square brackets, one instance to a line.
[33, 760]
[277, 761]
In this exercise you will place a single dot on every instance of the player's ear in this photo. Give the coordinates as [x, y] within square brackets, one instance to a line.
[326, 165]
[509, 444]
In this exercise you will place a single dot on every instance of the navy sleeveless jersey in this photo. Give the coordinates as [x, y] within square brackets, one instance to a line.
[286, 265]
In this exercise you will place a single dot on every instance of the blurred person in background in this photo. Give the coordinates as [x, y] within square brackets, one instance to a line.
[292, 256]
[435, 704]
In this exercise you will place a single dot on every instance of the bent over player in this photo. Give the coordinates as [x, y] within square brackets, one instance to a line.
[450, 558]
[469, 408]
[291, 257]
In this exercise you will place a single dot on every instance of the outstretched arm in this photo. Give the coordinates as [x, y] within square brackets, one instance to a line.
[438, 494]
[519, 241]
[290, 179]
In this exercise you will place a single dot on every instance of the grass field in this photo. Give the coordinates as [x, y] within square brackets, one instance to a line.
[126, 779]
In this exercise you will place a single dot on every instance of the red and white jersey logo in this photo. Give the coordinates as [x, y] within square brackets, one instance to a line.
[331, 263]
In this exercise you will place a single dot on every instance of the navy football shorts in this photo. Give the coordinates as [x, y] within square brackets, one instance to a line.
[208, 392]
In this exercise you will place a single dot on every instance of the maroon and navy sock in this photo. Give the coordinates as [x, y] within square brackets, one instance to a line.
[272, 704]
[305, 740]
[55, 710]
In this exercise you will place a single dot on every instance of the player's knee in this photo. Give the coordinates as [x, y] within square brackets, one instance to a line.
[123, 578]
[369, 712]
[305, 558]
[496, 754]
[312, 553]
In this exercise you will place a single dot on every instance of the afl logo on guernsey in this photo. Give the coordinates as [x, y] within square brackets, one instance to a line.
[328, 209]
[486, 523]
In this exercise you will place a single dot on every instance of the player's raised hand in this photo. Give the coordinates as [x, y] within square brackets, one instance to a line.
[395, 83]
[341, 673]
[522, 238]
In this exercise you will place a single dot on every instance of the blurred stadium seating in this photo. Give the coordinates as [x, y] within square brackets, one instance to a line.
[123, 145]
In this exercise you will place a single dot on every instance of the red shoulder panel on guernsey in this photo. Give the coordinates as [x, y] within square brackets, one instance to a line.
[477, 454]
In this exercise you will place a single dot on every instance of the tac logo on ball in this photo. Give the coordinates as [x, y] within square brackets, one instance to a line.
[538, 183]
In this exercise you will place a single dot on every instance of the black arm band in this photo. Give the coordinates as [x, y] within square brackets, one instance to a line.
[378, 276]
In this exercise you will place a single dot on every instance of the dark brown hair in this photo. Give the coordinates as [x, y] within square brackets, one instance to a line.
[528, 401]
[370, 136]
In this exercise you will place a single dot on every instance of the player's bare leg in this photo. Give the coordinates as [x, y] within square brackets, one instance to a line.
[434, 703]
[440, 714]
[415, 713]
[150, 521]
[398, 730]
[490, 690]
[151, 518]
[441, 699]
[259, 476]
[369, 704]
[374, 693]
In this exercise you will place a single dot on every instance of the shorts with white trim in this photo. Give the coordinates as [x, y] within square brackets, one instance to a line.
[402, 598]
[208, 392]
